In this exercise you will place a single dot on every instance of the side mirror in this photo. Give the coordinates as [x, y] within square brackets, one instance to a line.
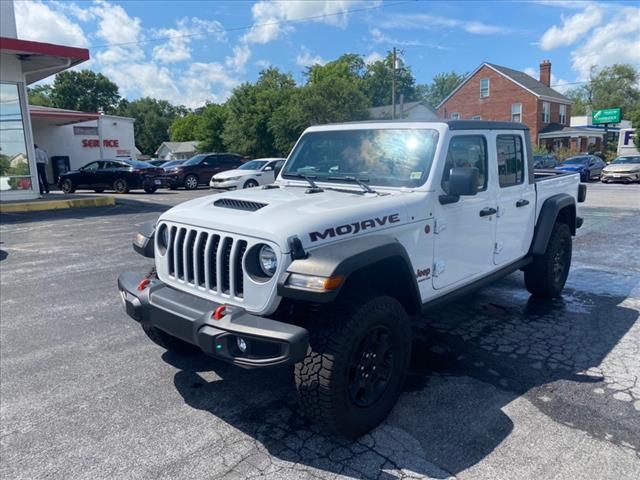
[463, 181]
[268, 169]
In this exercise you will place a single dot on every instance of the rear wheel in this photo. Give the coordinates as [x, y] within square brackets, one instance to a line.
[355, 366]
[150, 188]
[250, 184]
[168, 342]
[547, 274]
[121, 185]
[190, 182]
[67, 186]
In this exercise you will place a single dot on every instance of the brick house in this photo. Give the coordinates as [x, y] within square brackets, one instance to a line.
[492, 92]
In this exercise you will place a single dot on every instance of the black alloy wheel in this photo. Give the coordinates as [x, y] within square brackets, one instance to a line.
[371, 367]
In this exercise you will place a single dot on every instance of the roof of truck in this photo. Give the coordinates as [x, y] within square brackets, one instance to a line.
[452, 124]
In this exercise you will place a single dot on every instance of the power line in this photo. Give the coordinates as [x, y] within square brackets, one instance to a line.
[256, 25]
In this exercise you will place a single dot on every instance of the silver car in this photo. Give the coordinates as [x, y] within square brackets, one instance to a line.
[623, 169]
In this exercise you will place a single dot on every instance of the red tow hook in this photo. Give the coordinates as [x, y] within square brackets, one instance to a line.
[219, 312]
[144, 283]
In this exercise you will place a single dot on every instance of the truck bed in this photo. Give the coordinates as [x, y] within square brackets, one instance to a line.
[551, 182]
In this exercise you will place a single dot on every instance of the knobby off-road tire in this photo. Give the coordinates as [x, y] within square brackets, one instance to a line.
[546, 275]
[168, 342]
[330, 381]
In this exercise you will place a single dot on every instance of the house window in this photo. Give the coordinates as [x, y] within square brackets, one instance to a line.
[455, 116]
[546, 108]
[476, 117]
[563, 114]
[516, 112]
[85, 130]
[484, 88]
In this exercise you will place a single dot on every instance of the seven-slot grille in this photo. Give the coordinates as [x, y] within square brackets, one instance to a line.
[206, 260]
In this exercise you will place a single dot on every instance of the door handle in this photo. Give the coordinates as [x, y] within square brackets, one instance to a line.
[522, 203]
[485, 212]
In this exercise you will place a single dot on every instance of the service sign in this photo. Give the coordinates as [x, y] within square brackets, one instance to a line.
[606, 115]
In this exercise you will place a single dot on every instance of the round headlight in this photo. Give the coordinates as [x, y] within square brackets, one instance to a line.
[267, 260]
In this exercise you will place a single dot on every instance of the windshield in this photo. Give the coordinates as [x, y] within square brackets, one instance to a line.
[619, 160]
[576, 160]
[138, 164]
[195, 160]
[253, 165]
[384, 157]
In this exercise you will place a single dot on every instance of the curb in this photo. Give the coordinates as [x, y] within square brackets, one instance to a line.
[56, 204]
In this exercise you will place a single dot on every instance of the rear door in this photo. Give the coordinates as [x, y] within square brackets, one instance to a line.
[516, 199]
[465, 230]
[209, 167]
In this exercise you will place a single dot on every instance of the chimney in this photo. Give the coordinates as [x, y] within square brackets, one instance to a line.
[545, 72]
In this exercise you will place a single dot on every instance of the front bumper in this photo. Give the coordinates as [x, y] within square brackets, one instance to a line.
[189, 318]
[620, 177]
[224, 184]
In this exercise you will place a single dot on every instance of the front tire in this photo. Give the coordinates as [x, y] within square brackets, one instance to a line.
[250, 184]
[355, 366]
[168, 342]
[546, 275]
[120, 185]
[190, 182]
[67, 186]
[150, 188]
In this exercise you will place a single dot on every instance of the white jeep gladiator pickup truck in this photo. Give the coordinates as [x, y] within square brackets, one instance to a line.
[367, 225]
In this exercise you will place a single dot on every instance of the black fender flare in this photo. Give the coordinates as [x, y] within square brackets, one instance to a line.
[345, 259]
[143, 242]
[549, 213]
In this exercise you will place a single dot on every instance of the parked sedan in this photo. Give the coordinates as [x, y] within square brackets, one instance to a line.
[200, 168]
[623, 169]
[156, 162]
[545, 161]
[262, 171]
[119, 175]
[588, 166]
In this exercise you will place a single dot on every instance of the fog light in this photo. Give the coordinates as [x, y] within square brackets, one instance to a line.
[242, 345]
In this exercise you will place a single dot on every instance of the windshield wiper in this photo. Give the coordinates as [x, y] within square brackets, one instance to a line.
[314, 186]
[364, 186]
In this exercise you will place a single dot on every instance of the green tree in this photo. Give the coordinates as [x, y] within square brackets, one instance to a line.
[152, 121]
[183, 129]
[85, 90]
[441, 86]
[610, 87]
[40, 95]
[249, 111]
[378, 80]
[210, 126]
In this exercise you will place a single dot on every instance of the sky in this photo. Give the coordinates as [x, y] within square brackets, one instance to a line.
[191, 52]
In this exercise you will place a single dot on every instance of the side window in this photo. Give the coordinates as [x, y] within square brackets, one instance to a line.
[510, 160]
[467, 151]
[211, 161]
[93, 166]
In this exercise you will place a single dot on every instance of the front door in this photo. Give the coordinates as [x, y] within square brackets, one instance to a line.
[516, 201]
[465, 230]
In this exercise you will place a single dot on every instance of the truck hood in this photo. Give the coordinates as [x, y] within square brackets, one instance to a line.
[622, 167]
[234, 173]
[280, 213]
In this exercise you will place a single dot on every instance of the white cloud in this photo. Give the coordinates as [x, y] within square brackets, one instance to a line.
[118, 29]
[616, 41]
[178, 45]
[306, 59]
[573, 28]
[268, 17]
[428, 22]
[379, 37]
[39, 22]
[241, 55]
[557, 84]
[373, 57]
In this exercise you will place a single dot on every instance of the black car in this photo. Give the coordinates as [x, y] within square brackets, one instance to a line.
[115, 174]
[545, 161]
[156, 162]
[199, 169]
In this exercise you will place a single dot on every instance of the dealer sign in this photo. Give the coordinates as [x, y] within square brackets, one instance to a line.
[607, 115]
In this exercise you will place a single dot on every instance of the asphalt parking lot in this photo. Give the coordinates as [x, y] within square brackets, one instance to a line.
[501, 386]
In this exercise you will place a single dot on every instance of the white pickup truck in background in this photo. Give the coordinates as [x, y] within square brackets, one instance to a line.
[367, 225]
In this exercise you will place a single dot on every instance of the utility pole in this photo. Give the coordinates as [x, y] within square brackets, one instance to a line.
[393, 85]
